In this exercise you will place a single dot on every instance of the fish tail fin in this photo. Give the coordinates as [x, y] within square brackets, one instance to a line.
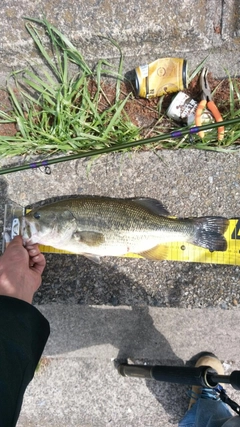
[209, 232]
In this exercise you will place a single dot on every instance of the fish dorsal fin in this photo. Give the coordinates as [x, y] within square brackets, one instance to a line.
[157, 253]
[153, 205]
[90, 238]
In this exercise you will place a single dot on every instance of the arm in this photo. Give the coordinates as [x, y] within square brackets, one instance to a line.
[23, 329]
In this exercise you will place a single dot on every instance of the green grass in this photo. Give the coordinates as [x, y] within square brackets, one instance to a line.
[57, 112]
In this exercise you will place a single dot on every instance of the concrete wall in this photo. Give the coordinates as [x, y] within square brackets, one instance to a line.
[144, 30]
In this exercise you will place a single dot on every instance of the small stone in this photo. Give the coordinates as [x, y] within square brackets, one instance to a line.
[223, 305]
[235, 302]
[210, 178]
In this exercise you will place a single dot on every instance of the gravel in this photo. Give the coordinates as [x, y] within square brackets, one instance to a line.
[189, 183]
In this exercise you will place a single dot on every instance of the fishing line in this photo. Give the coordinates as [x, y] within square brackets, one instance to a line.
[118, 147]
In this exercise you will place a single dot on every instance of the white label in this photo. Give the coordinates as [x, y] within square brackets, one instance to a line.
[144, 70]
[15, 228]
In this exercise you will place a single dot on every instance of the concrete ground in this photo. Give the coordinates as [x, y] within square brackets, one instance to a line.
[155, 312]
[77, 384]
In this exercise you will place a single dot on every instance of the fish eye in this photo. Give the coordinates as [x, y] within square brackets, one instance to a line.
[37, 215]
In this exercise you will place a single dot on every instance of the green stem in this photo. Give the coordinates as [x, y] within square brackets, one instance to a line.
[175, 134]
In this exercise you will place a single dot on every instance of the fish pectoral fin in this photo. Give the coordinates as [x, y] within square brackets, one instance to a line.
[157, 253]
[92, 257]
[90, 238]
[67, 215]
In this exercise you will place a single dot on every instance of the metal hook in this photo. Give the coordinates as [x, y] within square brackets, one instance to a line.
[47, 170]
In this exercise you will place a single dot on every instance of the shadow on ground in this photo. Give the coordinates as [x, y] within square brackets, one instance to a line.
[129, 330]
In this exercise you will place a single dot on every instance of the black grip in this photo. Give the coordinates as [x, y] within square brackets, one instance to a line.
[172, 374]
[235, 379]
[180, 374]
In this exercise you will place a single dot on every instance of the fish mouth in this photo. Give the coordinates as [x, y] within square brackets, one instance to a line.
[28, 231]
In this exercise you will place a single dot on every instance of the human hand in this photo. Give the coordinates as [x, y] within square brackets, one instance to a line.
[21, 269]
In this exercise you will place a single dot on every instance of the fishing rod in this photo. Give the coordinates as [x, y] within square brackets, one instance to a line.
[118, 147]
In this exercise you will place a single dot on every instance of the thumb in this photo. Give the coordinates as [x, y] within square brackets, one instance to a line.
[17, 240]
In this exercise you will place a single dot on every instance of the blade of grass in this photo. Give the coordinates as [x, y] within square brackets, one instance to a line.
[197, 69]
[6, 118]
[37, 39]
[237, 91]
[15, 102]
[114, 119]
[120, 69]
[40, 84]
[231, 97]
[63, 41]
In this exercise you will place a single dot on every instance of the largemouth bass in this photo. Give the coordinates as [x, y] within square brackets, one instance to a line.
[102, 226]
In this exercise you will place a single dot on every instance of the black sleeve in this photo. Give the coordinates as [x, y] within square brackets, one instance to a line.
[23, 334]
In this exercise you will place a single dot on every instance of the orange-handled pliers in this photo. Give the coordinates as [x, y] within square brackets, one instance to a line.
[207, 102]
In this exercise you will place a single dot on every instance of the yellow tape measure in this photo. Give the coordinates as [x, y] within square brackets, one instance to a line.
[179, 251]
[191, 253]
